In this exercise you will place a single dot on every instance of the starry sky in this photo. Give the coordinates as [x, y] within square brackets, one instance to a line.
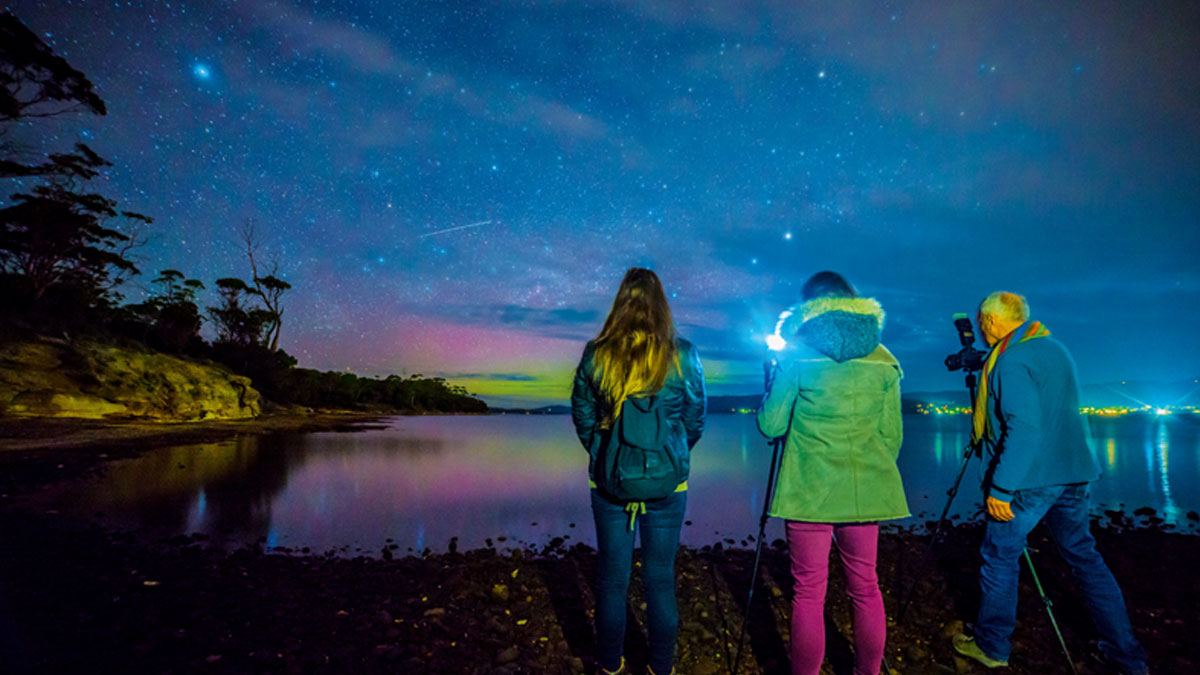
[456, 188]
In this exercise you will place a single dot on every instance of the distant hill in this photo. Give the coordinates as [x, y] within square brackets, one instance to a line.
[1183, 392]
[544, 410]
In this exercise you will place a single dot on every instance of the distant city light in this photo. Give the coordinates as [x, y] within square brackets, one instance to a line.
[1162, 411]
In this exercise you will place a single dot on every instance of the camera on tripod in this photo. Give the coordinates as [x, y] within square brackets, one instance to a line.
[968, 359]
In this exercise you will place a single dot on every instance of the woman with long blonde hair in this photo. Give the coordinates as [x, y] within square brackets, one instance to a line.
[638, 405]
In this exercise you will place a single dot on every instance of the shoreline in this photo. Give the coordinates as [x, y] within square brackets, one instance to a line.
[76, 597]
[37, 451]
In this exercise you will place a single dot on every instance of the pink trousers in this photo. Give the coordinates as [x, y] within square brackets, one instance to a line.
[857, 544]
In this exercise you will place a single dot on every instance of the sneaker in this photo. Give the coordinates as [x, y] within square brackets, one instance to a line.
[966, 646]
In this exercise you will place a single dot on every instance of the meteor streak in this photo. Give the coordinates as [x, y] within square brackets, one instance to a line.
[455, 229]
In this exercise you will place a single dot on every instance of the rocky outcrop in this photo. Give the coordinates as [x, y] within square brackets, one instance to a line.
[54, 378]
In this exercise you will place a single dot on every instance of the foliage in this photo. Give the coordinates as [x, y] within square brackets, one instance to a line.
[170, 317]
[34, 82]
[237, 322]
[61, 256]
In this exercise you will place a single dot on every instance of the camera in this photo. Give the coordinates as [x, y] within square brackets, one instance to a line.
[968, 358]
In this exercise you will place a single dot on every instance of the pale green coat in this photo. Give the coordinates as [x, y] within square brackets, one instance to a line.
[837, 400]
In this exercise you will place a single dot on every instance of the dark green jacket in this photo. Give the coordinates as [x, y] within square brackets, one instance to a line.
[682, 394]
[837, 400]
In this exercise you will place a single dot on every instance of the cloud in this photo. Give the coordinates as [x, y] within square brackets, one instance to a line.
[301, 32]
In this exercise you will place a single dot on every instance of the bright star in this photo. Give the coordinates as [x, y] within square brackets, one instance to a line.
[201, 71]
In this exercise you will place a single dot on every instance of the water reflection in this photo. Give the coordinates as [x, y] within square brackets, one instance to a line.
[1170, 510]
[514, 479]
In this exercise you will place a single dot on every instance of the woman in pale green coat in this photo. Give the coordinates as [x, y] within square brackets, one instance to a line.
[836, 398]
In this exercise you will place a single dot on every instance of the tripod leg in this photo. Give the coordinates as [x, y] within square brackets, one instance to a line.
[1046, 601]
[968, 452]
[776, 455]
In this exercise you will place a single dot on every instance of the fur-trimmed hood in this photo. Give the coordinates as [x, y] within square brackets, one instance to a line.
[840, 328]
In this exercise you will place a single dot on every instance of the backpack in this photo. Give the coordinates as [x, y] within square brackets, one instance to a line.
[637, 463]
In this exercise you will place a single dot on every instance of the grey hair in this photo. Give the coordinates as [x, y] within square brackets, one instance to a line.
[1006, 306]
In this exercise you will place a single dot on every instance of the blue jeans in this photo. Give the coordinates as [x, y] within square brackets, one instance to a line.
[660, 527]
[1064, 508]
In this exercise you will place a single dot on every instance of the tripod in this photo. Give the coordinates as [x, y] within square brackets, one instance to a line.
[776, 456]
[973, 449]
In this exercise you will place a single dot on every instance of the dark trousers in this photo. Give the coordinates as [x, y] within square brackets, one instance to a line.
[1064, 509]
[659, 527]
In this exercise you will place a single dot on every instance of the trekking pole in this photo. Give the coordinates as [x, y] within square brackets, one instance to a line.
[776, 454]
[1046, 601]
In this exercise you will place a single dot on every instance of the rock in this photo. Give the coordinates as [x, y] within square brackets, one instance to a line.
[508, 655]
[94, 380]
[952, 628]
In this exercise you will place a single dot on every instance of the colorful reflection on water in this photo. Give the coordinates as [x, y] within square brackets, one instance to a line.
[520, 480]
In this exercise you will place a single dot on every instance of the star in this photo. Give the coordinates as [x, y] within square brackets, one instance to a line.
[202, 71]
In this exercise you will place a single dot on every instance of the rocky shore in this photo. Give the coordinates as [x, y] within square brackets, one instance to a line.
[74, 598]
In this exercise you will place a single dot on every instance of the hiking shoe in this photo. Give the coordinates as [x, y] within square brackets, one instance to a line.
[966, 646]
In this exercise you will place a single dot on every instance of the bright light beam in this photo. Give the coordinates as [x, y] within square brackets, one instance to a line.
[775, 341]
[455, 229]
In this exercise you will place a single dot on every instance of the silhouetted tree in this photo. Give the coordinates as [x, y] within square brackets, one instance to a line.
[34, 82]
[170, 313]
[54, 235]
[268, 288]
[236, 321]
[58, 244]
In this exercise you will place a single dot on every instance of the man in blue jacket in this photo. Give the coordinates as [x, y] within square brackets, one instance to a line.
[1039, 468]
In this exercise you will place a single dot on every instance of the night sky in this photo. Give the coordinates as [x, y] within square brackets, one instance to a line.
[456, 188]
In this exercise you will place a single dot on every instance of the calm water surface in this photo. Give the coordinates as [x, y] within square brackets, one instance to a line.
[521, 480]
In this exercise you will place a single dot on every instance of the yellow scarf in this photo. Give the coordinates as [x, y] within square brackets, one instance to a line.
[979, 416]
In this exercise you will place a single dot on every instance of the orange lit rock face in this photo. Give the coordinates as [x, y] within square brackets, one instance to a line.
[48, 378]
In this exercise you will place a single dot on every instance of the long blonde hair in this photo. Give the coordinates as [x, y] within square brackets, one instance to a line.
[637, 344]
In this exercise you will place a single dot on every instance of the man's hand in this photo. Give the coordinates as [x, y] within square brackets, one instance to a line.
[1001, 511]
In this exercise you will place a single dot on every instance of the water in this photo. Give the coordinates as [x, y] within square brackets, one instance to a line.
[520, 480]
